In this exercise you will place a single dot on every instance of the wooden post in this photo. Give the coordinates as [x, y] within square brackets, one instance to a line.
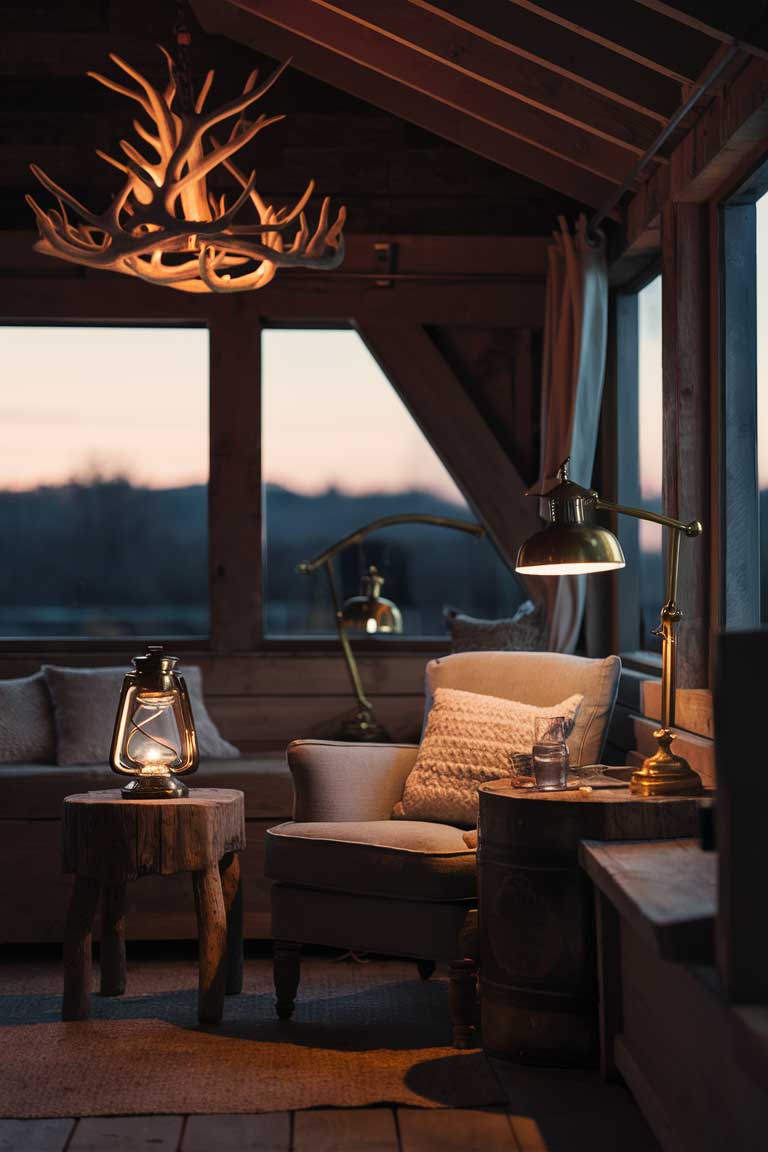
[77, 948]
[231, 887]
[686, 368]
[212, 936]
[608, 982]
[113, 940]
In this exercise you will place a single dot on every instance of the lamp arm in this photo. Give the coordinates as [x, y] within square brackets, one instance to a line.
[386, 522]
[693, 528]
[670, 613]
[346, 647]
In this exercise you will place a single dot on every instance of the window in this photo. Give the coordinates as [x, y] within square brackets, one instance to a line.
[339, 450]
[761, 325]
[640, 463]
[103, 481]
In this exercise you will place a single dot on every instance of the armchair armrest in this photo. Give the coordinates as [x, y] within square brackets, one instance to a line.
[334, 780]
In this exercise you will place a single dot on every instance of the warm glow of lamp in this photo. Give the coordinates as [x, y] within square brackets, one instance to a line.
[572, 544]
[164, 224]
[370, 612]
[154, 739]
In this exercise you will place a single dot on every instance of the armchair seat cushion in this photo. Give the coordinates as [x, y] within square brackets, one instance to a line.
[405, 859]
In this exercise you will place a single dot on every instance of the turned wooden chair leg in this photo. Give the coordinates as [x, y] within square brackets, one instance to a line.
[212, 936]
[113, 940]
[426, 968]
[287, 972]
[462, 1001]
[231, 887]
[77, 948]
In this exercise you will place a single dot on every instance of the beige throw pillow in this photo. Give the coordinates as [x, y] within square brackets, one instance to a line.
[468, 741]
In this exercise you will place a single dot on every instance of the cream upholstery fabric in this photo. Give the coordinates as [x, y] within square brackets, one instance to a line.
[541, 678]
[442, 930]
[469, 741]
[335, 780]
[409, 859]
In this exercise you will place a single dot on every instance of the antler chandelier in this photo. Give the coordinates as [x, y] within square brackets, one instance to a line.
[164, 225]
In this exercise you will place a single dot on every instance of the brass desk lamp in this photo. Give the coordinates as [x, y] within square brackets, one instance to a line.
[370, 613]
[573, 545]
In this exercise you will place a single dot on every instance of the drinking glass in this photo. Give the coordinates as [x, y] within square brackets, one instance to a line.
[550, 752]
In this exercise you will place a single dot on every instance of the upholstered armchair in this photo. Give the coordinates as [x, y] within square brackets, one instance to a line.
[347, 875]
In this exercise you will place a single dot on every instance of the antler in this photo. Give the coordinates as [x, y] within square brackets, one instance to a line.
[164, 225]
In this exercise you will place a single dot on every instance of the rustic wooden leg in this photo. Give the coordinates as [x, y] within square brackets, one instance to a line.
[287, 971]
[231, 887]
[608, 982]
[113, 940]
[212, 937]
[462, 1001]
[77, 948]
[426, 968]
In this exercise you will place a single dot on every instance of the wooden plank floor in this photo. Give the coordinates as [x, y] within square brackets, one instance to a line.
[557, 1112]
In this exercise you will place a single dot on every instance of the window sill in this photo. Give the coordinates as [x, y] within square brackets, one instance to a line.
[648, 663]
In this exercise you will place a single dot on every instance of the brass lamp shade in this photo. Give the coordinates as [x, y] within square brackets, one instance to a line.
[570, 550]
[370, 612]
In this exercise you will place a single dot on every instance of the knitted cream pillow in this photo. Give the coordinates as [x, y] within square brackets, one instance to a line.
[468, 741]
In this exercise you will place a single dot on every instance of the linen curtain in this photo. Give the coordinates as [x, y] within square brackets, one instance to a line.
[573, 370]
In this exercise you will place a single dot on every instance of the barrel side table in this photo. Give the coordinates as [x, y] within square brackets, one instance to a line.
[538, 969]
[109, 840]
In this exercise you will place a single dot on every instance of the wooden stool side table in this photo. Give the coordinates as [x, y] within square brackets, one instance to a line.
[109, 840]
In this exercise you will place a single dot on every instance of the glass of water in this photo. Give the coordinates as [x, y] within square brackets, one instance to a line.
[550, 752]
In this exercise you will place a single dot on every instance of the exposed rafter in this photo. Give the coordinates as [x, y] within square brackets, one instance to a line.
[419, 108]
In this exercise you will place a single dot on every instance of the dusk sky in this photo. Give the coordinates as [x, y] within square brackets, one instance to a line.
[79, 402]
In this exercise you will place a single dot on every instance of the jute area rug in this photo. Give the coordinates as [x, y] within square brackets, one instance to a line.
[363, 1034]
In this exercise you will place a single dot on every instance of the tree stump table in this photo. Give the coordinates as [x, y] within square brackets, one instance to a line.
[109, 840]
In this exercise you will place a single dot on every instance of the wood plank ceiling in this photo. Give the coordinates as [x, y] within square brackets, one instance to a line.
[567, 93]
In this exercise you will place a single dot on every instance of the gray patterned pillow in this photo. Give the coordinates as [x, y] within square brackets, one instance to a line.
[27, 734]
[523, 632]
[84, 707]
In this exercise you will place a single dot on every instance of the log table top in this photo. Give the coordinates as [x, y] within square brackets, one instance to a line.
[113, 839]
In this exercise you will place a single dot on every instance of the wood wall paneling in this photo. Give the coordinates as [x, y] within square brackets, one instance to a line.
[686, 405]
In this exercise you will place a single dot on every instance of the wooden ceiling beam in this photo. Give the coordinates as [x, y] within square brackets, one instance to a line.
[725, 143]
[742, 20]
[366, 84]
[558, 49]
[447, 88]
[465, 50]
[647, 38]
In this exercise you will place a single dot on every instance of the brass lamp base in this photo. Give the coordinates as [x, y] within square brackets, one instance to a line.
[665, 774]
[363, 728]
[154, 788]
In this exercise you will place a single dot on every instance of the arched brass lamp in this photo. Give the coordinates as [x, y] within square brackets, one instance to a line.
[370, 613]
[572, 544]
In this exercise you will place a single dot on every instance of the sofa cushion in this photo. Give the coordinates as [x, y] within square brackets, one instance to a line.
[523, 632]
[540, 678]
[407, 859]
[37, 791]
[26, 721]
[85, 704]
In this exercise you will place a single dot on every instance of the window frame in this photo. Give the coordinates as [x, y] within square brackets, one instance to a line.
[739, 513]
[64, 644]
[627, 479]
